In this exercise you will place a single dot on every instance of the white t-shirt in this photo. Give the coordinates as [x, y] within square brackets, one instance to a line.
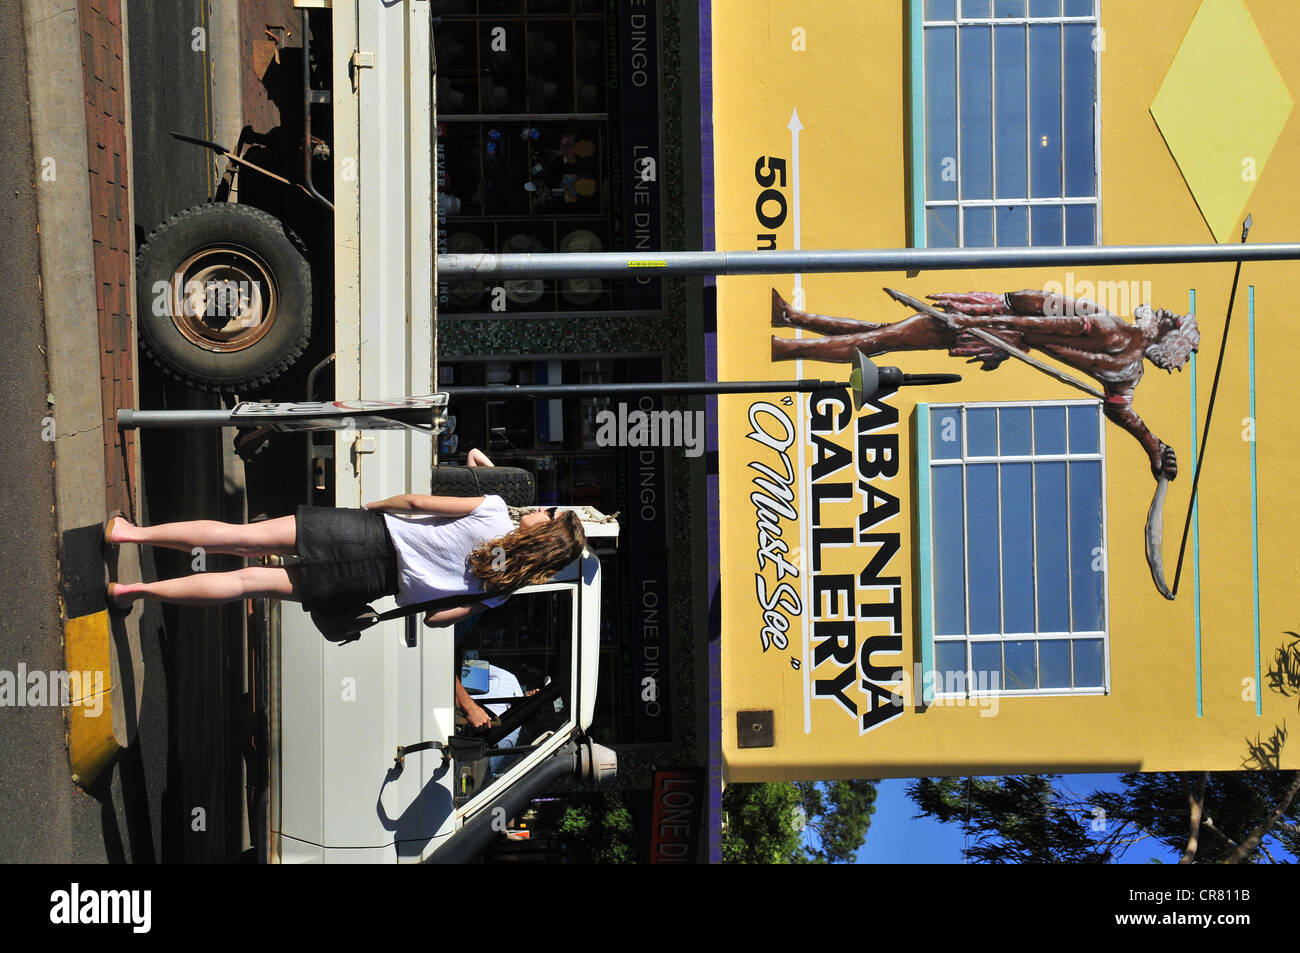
[433, 551]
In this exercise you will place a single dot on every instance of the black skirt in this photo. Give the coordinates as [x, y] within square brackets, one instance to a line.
[347, 557]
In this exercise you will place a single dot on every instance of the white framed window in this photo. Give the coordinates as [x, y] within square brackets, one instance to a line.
[1012, 545]
[1008, 120]
[529, 643]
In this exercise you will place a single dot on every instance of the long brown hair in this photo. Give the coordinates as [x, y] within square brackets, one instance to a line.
[528, 556]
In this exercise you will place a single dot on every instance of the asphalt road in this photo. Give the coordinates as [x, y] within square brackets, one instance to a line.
[43, 816]
[169, 92]
[199, 682]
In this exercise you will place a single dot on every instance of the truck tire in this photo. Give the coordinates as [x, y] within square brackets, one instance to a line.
[512, 484]
[223, 298]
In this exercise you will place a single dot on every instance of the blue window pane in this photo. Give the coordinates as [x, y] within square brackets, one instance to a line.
[1012, 119]
[1046, 224]
[1088, 663]
[1080, 99]
[1054, 664]
[1083, 428]
[950, 667]
[941, 227]
[1079, 8]
[940, 9]
[1008, 8]
[1013, 425]
[949, 552]
[975, 8]
[982, 548]
[976, 112]
[1017, 548]
[1049, 430]
[986, 666]
[1044, 8]
[1045, 111]
[1022, 667]
[1014, 545]
[978, 228]
[981, 432]
[1013, 226]
[1086, 559]
[1052, 538]
[941, 115]
[945, 433]
[1080, 225]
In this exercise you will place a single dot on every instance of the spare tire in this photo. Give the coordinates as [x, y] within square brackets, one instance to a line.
[223, 298]
[512, 484]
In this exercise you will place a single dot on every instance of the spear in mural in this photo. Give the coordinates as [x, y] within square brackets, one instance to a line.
[1209, 413]
[918, 305]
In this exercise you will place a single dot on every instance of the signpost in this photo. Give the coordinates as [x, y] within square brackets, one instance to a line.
[428, 414]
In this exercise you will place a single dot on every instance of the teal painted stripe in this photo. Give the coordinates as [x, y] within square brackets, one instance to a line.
[1196, 532]
[1254, 500]
[916, 54]
[925, 551]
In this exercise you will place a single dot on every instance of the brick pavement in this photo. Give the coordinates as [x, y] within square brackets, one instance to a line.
[110, 200]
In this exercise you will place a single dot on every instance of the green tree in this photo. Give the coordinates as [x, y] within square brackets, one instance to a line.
[760, 825]
[839, 813]
[1232, 817]
[1209, 817]
[764, 823]
[1021, 819]
[595, 827]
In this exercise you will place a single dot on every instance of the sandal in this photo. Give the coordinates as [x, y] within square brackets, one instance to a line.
[110, 600]
[108, 528]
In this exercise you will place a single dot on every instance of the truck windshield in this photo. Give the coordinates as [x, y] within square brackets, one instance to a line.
[515, 663]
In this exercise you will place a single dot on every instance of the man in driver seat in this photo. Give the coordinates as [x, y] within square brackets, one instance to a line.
[497, 683]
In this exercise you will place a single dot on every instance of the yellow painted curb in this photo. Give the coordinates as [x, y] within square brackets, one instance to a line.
[91, 741]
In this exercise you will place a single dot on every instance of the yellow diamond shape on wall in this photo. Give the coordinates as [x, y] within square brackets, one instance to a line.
[1221, 108]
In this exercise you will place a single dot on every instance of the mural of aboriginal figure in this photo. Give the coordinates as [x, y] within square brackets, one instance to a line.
[987, 328]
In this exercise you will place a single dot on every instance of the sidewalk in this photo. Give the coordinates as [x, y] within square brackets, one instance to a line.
[79, 113]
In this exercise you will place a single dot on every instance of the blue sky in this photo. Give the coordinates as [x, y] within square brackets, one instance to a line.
[896, 837]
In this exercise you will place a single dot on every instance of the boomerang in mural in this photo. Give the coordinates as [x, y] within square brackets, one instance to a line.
[987, 328]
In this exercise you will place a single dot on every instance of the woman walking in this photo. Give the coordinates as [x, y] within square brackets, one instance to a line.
[411, 546]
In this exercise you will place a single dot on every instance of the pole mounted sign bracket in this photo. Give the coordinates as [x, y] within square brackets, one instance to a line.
[428, 414]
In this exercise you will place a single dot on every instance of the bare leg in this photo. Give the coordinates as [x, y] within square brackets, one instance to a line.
[214, 588]
[784, 315]
[918, 333]
[269, 537]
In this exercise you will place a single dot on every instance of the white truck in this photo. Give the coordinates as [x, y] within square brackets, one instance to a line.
[226, 300]
[342, 788]
[338, 789]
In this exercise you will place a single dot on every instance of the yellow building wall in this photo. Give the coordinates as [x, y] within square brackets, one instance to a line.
[844, 67]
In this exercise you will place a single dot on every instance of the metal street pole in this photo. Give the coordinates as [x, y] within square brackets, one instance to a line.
[662, 264]
[650, 389]
[427, 413]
